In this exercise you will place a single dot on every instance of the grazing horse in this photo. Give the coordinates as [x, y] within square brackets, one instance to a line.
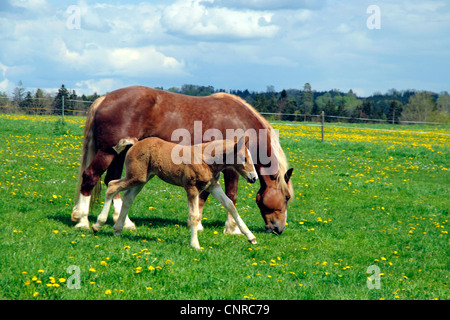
[124, 116]
[153, 156]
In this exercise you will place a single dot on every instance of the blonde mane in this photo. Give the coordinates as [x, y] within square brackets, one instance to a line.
[283, 165]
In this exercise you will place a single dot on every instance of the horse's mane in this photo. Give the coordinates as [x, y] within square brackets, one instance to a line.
[286, 188]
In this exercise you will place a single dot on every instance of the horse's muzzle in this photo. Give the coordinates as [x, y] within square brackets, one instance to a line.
[274, 228]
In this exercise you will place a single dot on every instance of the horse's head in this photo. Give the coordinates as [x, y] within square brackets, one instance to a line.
[243, 162]
[272, 200]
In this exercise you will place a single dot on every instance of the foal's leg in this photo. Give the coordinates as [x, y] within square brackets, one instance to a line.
[194, 215]
[231, 179]
[218, 193]
[111, 192]
[128, 198]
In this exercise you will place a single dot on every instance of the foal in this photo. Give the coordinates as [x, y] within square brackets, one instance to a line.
[193, 171]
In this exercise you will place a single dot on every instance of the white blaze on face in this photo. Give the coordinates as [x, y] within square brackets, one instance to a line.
[253, 174]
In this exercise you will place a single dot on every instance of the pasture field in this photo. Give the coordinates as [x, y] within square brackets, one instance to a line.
[369, 221]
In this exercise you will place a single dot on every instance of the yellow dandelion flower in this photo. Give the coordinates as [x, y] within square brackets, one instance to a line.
[108, 291]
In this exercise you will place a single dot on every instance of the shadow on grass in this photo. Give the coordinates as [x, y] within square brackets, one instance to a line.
[150, 222]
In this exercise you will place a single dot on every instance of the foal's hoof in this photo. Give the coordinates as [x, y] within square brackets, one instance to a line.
[234, 231]
[130, 226]
[95, 228]
[82, 225]
[253, 241]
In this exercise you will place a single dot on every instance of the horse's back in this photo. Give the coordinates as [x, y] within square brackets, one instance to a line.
[138, 112]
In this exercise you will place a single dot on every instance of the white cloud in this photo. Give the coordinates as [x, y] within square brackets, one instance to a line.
[270, 4]
[29, 4]
[192, 18]
[224, 43]
[5, 84]
[127, 62]
[101, 86]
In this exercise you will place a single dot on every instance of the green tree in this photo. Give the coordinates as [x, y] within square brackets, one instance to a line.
[330, 110]
[271, 104]
[27, 103]
[306, 99]
[395, 110]
[341, 108]
[18, 93]
[282, 101]
[443, 102]
[420, 107]
[57, 102]
[38, 102]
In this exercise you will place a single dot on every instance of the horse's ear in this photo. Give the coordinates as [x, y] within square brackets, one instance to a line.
[288, 174]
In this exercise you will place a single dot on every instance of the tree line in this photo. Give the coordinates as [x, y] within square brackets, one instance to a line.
[41, 102]
[304, 104]
[307, 104]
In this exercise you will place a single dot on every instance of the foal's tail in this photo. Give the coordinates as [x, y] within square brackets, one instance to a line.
[87, 155]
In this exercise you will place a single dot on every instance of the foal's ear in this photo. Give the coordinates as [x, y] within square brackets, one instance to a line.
[238, 145]
[246, 141]
[288, 174]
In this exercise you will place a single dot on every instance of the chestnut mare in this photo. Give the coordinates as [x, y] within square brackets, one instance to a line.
[153, 156]
[124, 116]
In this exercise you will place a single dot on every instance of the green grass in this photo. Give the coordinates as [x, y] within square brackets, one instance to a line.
[362, 198]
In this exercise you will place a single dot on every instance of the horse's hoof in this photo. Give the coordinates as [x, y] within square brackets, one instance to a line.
[253, 241]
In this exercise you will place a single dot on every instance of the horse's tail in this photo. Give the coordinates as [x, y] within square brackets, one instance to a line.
[87, 155]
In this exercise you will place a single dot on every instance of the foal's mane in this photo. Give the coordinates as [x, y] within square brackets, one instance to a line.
[274, 144]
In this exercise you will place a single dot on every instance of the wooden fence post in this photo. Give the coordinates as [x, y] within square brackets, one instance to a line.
[323, 120]
[62, 109]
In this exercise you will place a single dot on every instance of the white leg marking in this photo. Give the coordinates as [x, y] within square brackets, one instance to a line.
[194, 216]
[117, 203]
[103, 216]
[128, 224]
[83, 210]
[128, 198]
[218, 193]
[230, 225]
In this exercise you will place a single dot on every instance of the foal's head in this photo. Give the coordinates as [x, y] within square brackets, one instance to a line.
[243, 162]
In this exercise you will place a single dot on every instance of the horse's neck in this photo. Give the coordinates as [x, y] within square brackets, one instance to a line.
[266, 180]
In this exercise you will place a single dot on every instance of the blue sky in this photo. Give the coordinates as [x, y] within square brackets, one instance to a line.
[229, 44]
